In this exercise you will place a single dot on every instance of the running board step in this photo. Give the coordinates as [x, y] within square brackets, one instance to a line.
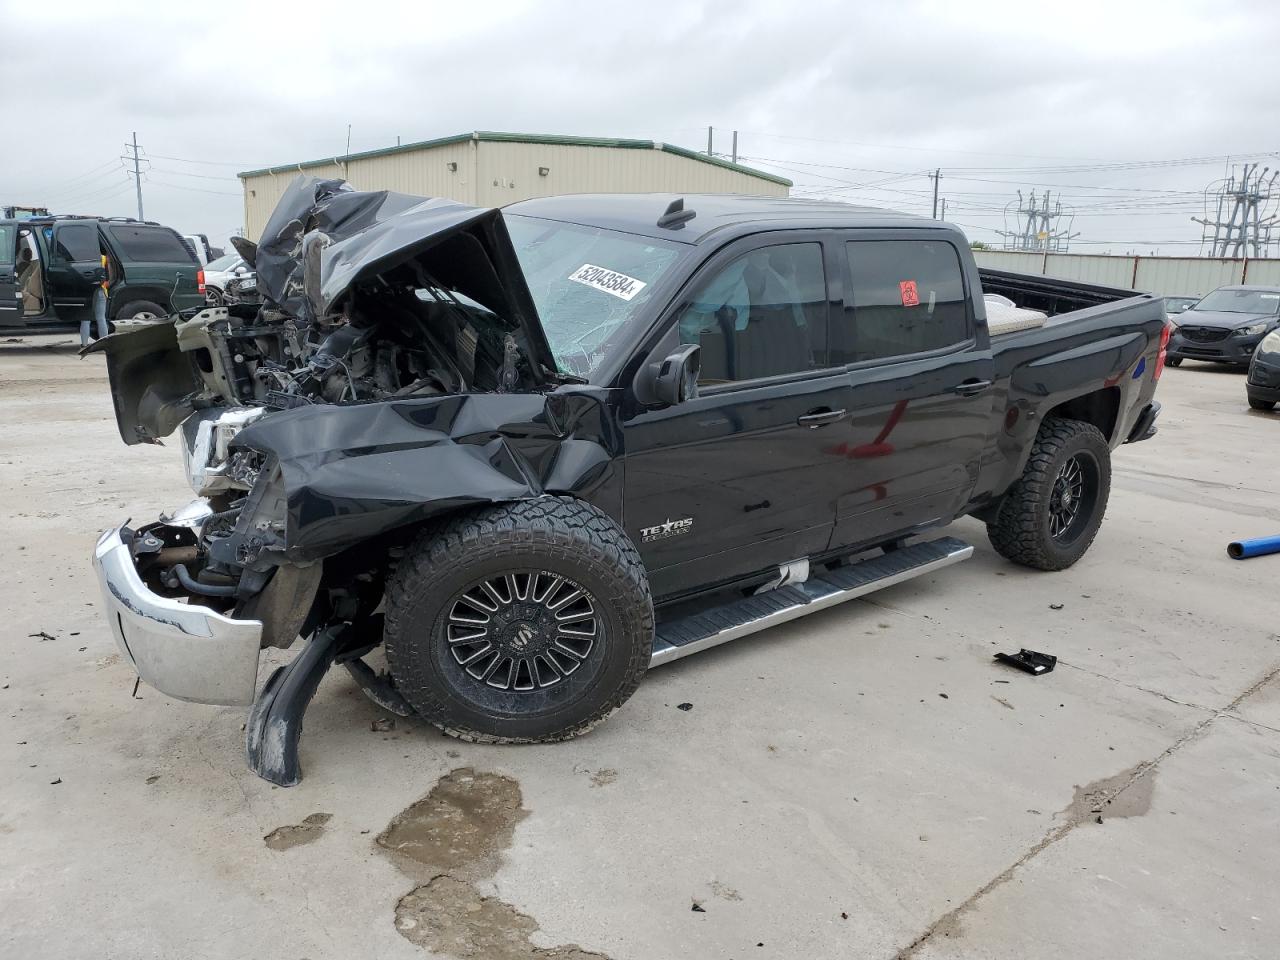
[729, 621]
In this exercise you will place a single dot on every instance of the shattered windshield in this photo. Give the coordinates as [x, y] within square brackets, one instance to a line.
[586, 282]
[1241, 301]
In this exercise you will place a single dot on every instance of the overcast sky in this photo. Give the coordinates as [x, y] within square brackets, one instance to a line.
[836, 96]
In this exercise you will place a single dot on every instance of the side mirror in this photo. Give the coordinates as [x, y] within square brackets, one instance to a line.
[675, 379]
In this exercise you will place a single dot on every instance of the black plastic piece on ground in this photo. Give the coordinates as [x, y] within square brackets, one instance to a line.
[378, 688]
[275, 722]
[1029, 660]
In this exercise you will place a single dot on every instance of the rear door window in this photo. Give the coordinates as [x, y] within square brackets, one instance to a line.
[8, 243]
[146, 244]
[905, 297]
[77, 242]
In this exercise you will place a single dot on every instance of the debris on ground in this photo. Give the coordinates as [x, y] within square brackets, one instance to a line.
[43, 636]
[697, 907]
[54, 783]
[1244, 549]
[1029, 660]
[153, 778]
[382, 725]
[684, 706]
[1056, 606]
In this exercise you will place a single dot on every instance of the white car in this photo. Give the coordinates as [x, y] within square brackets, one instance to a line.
[219, 272]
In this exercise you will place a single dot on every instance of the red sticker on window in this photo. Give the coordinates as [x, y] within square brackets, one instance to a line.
[910, 297]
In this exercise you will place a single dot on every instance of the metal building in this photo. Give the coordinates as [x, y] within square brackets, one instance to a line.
[493, 169]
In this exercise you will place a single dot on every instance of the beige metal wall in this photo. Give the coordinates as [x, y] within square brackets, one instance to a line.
[1163, 276]
[508, 172]
[495, 173]
[425, 173]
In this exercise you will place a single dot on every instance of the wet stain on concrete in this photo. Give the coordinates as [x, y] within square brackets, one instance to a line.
[464, 822]
[295, 835]
[454, 836]
[724, 891]
[448, 916]
[602, 778]
[1127, 794]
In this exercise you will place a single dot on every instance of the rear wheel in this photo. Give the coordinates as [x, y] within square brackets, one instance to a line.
[525, 622]
[1262, 404]
[1050, 516]
[142, 310]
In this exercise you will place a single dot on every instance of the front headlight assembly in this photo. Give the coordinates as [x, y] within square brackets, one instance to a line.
[1252, 330]
[1270, 345]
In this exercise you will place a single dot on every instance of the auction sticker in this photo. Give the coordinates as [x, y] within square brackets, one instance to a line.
[610, 281]
[910, 296]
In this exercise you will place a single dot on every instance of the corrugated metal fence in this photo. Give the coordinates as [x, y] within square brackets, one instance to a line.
[1163, 276]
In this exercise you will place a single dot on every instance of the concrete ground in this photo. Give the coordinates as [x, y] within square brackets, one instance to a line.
[861, 783]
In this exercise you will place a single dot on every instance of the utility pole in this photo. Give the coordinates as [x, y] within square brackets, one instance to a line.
[137, 170]
[935, 177]
[708, 141]
[735, 146]
[944, 208]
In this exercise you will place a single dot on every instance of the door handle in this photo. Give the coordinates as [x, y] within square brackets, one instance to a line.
[971, 388]
[819, 418]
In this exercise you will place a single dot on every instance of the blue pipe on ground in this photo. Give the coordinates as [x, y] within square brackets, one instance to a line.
[1244, 549]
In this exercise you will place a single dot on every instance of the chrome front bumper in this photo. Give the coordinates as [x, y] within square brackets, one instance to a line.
[182, 649]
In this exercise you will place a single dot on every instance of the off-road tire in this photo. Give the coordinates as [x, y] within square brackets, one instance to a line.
[135, 307]
[1021, 529]
[559, 535]
[1262, 404]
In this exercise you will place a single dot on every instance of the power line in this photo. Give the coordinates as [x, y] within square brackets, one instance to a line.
[179, 186]
[211, 163]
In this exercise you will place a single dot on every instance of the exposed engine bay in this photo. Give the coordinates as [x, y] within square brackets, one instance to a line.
[366, 297]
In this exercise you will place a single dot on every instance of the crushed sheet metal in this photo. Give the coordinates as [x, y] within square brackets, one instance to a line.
[352, 472]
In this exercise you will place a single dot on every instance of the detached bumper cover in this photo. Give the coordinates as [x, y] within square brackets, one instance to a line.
[184, 650]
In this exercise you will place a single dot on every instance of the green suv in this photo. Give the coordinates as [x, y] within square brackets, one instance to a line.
[50, 265]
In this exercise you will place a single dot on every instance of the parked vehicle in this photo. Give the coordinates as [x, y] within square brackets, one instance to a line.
[533, 452]
[49, 267]
[198, 245]
[218, 273]
[1176, 305]
[1226, 326]
[1263, 384]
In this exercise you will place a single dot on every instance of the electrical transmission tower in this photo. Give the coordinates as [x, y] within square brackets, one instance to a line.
[1036, 227]
[1245, 215]
[135, 156]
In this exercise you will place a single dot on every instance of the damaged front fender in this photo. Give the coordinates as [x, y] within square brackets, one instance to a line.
[357, 471]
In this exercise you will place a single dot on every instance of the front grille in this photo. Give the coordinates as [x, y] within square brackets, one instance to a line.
[1205, 334]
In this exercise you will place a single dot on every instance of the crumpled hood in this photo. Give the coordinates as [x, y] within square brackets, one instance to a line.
[1219, 319]
[324, 239]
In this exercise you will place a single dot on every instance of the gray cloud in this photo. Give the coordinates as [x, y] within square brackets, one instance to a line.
[885, 87]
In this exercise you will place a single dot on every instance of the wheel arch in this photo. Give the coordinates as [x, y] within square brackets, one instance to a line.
[129, 294]
[1099, 407]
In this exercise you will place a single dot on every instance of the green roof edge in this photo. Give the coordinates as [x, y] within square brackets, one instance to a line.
[498, 137]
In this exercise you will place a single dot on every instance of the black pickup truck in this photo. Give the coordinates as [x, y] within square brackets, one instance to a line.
[533, 452]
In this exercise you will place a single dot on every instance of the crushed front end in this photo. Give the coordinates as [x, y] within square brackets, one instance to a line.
[394, 351]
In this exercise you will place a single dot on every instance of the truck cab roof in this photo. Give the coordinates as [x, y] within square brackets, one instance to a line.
[720, 214]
